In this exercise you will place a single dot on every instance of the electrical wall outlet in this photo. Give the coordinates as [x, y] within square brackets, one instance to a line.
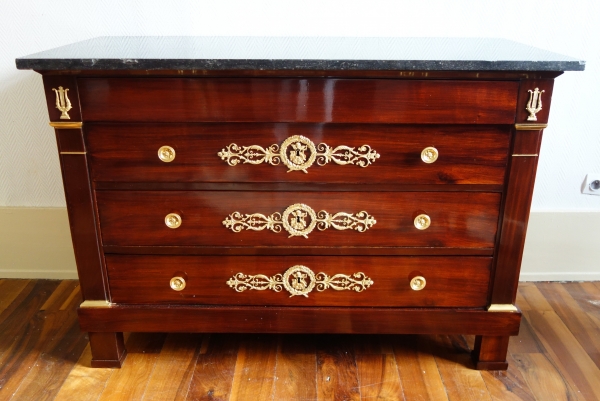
[591, 184]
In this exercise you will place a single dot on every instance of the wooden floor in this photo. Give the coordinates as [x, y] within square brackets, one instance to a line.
[43, 356]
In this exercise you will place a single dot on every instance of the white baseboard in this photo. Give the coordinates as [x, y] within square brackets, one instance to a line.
[560, 246]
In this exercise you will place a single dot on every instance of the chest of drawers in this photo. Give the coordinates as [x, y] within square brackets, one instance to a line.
[382, 197]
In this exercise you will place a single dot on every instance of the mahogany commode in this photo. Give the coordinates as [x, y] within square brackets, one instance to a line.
[312, 185]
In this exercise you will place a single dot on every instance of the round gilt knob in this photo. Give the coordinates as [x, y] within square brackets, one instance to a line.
[422, 222]
[177, 283]
[166, 154]
[173, 220]
[429, 154]
[418, 283]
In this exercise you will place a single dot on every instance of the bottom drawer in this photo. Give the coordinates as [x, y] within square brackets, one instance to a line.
[300, 280]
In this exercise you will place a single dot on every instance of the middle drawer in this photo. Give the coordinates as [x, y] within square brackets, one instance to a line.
[298, 219]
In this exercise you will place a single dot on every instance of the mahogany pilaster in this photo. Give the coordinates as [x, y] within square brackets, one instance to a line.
[108, 349]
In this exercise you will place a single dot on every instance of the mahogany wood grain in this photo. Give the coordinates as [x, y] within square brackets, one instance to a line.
[463, 220]
[467, 154]
[304, 250]
[243, 319]
[291, 187]
[515, 217]
[297, 100]
[108, 349]
[82, 220]
[451, 281]
[490, 352]
[69, 140]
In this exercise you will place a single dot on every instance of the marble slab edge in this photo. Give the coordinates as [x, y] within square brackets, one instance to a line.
[55, 64]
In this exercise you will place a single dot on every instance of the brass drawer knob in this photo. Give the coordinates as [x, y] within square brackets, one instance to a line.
[173, 220]
[166, 154]
[422, 222]
[177, 283]
[418, 283]
[429, 154]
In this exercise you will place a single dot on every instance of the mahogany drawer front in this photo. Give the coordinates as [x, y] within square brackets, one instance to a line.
[465, 154]
[297, 100]
[457, 219]
[386, 281]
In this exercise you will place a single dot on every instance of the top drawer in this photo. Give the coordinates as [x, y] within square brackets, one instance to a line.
[297, 100]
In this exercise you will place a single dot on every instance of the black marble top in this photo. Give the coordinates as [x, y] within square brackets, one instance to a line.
[298, 53]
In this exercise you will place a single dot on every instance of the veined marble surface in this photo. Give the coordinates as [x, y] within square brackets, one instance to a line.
[298, 53]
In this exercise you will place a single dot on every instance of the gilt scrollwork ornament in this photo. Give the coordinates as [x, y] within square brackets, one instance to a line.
[300, 281]
[299, 220]
[298, 153]
[534, 105]
[63, 104]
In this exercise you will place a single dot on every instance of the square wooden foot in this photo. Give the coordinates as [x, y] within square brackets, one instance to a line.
[490, 352]
[108, 350]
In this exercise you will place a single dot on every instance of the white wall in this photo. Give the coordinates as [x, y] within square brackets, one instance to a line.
[29, 171]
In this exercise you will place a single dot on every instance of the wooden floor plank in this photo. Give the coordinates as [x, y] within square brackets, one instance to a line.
[75, 296]
[566, 352]
[24, 330]
[337, 375]
[509, 385]
[60, 349]
[527, 341]
[213, 374]
[452, 356]
[299, 343]
[129, 382]
[521, 301]
[378, 378]
[578, 322]
[418, 370]
[254, 376]
[534, 297]
[26, 304]
[60, 295]
[9, 290]
[44, 356]
[296, 377]
[586, 294]
[168, 379]
[84, 383]
[542, 377]
[366, 344]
